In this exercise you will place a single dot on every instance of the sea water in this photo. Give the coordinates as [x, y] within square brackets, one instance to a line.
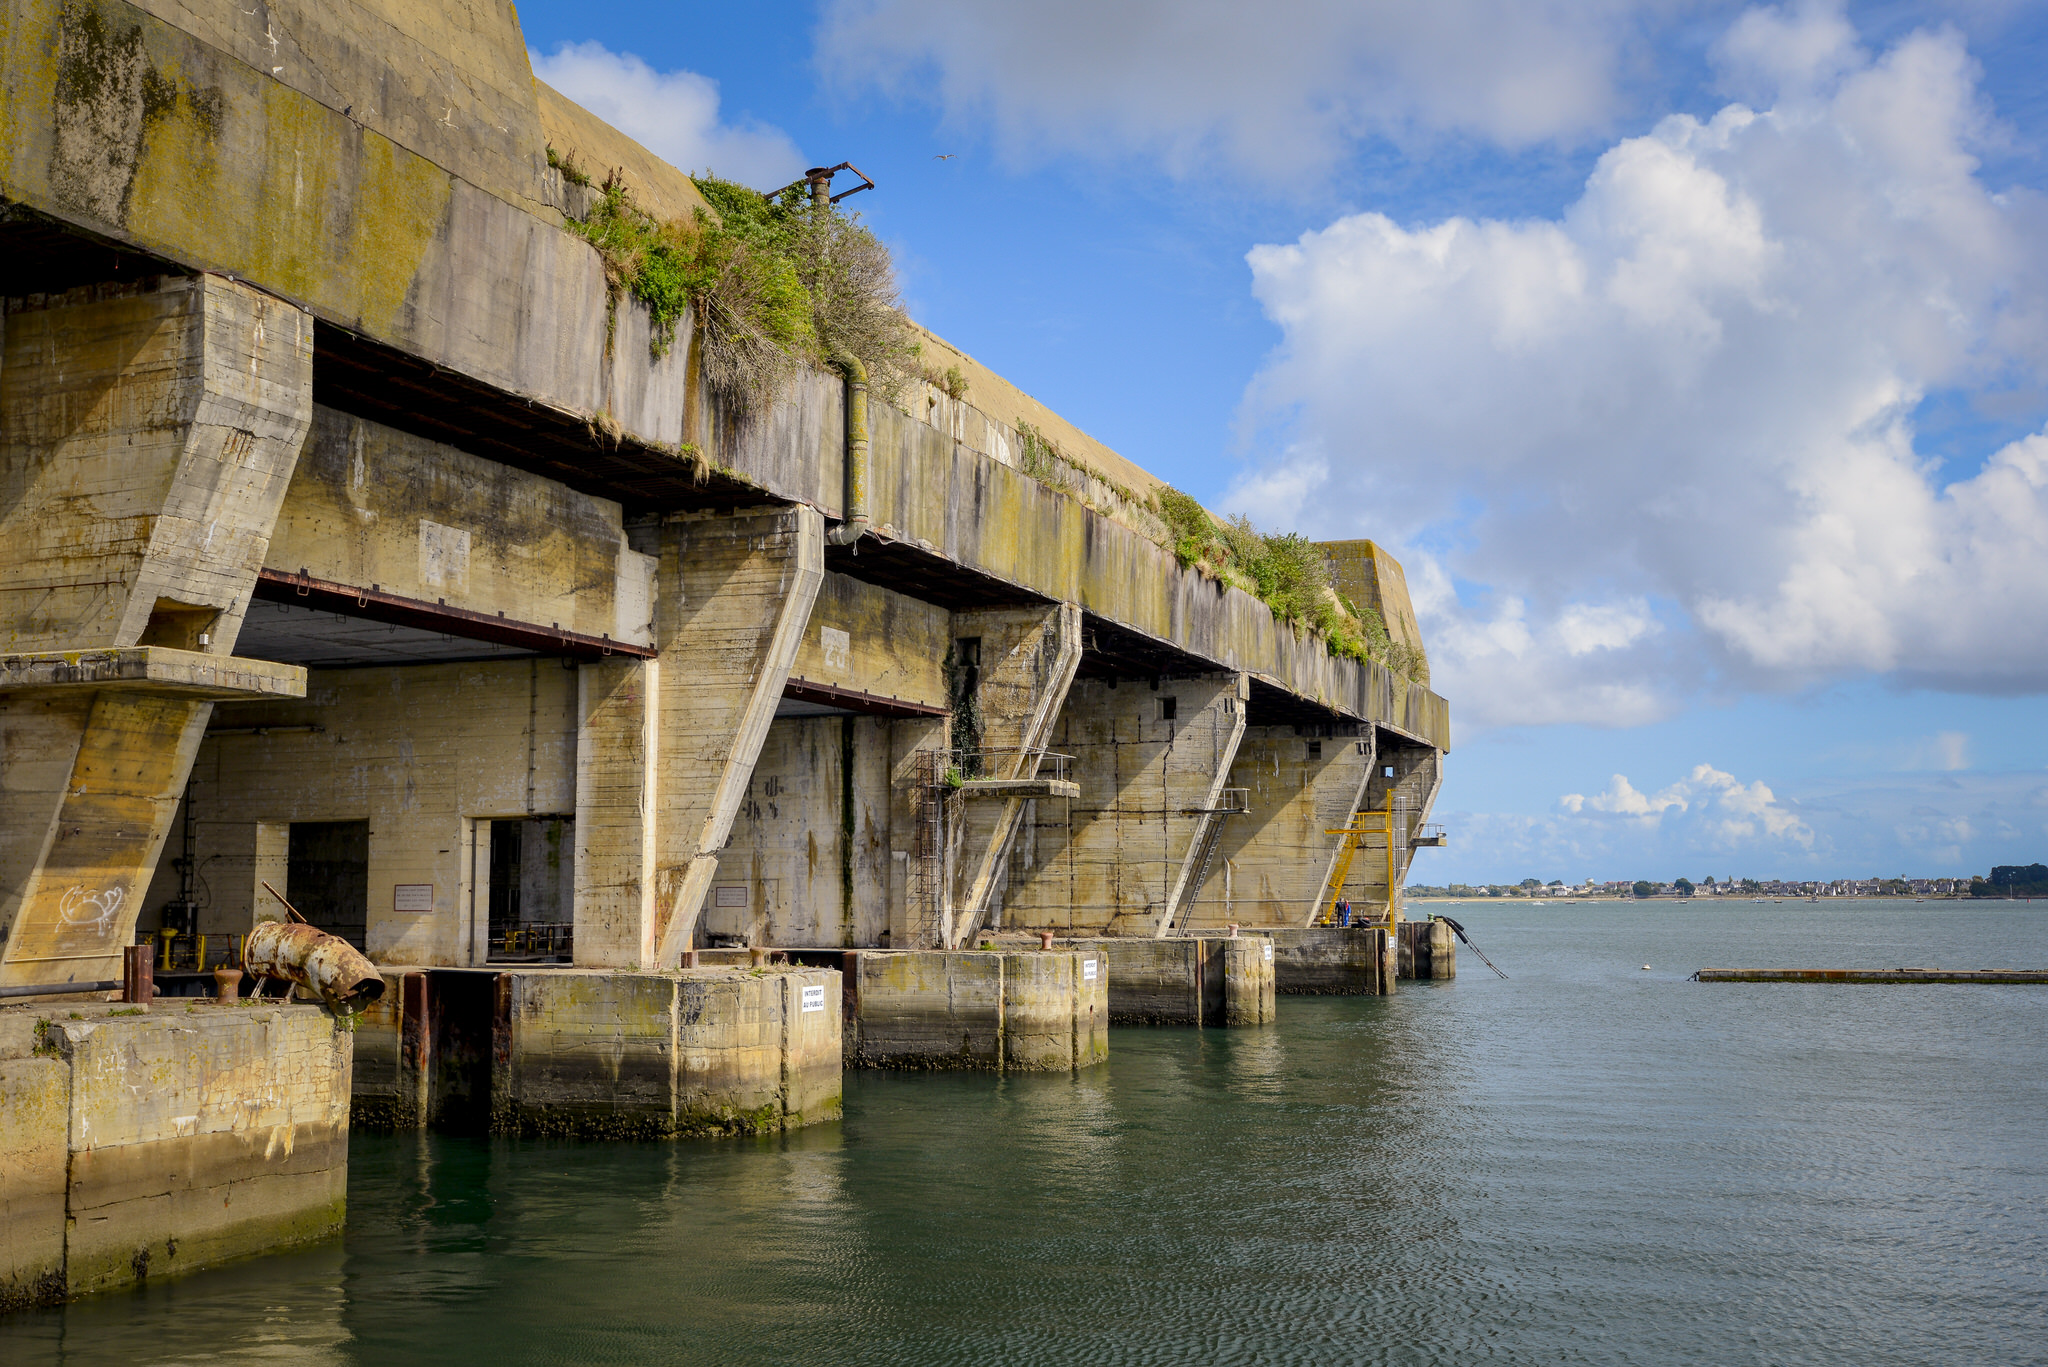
[1585, 1163]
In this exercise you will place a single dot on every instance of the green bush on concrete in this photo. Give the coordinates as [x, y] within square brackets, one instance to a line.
[775, 285]
[1287, 572]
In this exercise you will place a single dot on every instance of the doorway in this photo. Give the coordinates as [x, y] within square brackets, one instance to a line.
[327, 874]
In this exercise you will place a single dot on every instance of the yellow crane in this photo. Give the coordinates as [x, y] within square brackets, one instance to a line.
[1362, 825]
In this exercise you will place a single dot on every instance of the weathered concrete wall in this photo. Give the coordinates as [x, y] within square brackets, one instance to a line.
[425, 753]
[1365, 573]
[876, 641]
[1353, 961]
[997, 1010]
[143, 1143]
[1272, 864]
[809, 862]
[147, 435]
[1118, 857]
[369, 507]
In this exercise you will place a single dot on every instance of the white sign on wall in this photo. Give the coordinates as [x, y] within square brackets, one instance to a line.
[1269, 951]
[412, 897]
[838, 649]
[731, 895]
[814, 998]
[1088, 970]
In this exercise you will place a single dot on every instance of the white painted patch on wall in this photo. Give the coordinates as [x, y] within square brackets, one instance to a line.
[633, 614]
[838, 648]
[444, 557]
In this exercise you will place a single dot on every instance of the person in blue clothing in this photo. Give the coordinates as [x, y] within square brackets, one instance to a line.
[1343, 911]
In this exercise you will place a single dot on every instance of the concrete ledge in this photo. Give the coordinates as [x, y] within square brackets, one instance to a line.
[1344, 961]
[1871, 975]
[153, 669]
[147, 1142]
[977, 1009]
[1019, 787]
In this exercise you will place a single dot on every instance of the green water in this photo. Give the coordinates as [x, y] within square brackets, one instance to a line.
[1586, 1164]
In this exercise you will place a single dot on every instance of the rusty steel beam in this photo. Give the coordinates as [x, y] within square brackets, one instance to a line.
[372, 604]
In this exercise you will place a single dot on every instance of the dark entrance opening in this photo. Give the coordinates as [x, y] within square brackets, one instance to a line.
[461, 1015]
[533, 890]
[327, 876]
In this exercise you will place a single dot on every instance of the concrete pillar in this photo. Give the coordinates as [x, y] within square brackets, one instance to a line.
[1152, 760]
[1008, 698]
[733, 596]
[147, 436]
[616, 747]
[1273, 864]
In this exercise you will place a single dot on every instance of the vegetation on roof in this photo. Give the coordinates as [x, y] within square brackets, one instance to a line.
[1289, 574]
[771, 286]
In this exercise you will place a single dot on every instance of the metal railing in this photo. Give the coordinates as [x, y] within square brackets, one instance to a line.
[535, 940]
[1008, 762]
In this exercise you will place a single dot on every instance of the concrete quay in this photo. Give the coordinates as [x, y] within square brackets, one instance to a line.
[994, 1010]
[144, 1142]
[1188, 980]
[1982, 976]
[600, 1054]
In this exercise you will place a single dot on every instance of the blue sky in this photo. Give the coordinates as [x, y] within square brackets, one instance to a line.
[1694, 357]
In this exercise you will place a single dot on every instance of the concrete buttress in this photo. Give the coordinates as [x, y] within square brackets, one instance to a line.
[147, 436]
[1009, 698]
[733, 597]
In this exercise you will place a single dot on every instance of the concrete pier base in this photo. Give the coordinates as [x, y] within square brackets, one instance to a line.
[146, 1142]
[601, 1053]
[1196, 980]
[1429, 951]
[1028, 1010]
[1344, 961]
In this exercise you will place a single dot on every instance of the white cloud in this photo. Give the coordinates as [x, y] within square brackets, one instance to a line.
[1683, 410]
[1277, 92]
[1726, 811]
[1622, 799]
[673, 114]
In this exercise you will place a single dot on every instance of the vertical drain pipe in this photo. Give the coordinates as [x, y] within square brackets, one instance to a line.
[849, 532]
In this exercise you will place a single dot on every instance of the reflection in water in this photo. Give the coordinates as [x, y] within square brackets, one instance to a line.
[1585, 1164]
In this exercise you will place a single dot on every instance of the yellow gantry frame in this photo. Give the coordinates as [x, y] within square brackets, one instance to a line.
[1349, 849]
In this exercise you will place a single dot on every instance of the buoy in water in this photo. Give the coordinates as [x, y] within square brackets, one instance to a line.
[1646, 968]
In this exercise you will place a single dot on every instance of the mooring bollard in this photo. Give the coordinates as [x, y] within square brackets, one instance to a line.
[1045, 939]
[757, 956]
[1233, 930]
[689, 958]
[138, 973]
[227, 983]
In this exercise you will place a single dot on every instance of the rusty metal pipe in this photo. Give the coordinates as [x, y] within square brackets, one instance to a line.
[849, 532]
[324, 964]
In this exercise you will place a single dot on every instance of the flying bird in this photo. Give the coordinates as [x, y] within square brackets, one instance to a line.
[946, 156]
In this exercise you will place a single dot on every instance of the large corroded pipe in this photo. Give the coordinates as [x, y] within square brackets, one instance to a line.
[849, 532]
[313, 959]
